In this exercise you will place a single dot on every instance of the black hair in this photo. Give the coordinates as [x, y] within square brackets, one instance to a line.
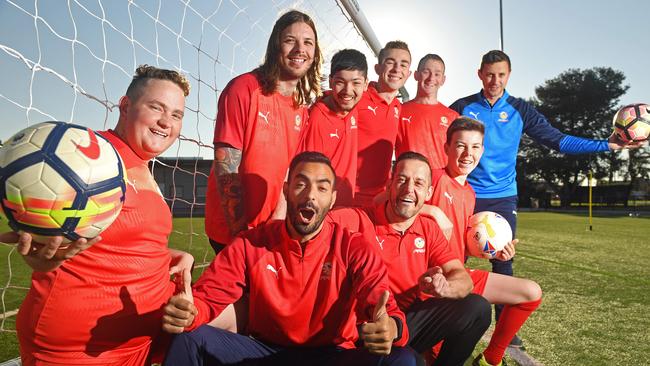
[310, 157]
[349, 59]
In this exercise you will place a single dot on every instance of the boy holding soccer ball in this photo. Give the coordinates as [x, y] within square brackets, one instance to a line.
[456, 198]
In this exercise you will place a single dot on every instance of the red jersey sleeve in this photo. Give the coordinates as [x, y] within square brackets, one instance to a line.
[233, 110]
[370, 280]
[221, 284]
[439, 251]
[399, 139]
[435, 176]
[312, 137]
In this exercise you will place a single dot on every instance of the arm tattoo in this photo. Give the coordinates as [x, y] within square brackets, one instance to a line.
[226, 165]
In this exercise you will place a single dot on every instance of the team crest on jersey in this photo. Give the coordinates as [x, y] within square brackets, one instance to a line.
[444, 121]
[419, 245]
[297, 123]
[353, 122]
[503, 117]
[396, 112]
[326, 273]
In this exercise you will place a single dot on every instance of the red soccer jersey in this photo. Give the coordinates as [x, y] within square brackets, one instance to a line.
[336, 137]
[408, 255]
[423, 129]
[103, 306]
[267, 130]
[378, 122]
[457, 202]
[298, 297]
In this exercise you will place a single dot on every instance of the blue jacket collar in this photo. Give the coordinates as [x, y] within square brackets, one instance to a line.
[484, 102]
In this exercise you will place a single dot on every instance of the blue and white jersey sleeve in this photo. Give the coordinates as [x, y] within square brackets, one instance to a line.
[539, 129]
[505, 122]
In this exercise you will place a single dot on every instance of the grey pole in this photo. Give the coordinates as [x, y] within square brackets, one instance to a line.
[501, 23]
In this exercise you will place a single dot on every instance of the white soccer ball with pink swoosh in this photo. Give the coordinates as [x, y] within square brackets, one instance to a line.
[487, 234]
[62, 179]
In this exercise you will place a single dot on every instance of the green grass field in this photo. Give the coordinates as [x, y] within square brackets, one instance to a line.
[595, 284]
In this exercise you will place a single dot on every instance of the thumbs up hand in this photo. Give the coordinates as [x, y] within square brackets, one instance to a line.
[180, 311]
[186, 286]
[379, 334]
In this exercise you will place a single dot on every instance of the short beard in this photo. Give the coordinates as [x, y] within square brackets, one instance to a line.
[302, 229]
[404, 213]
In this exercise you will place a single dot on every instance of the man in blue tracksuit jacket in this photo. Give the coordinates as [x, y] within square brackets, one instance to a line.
[506, 118]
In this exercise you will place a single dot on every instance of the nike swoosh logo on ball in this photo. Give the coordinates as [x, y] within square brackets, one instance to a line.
[92, 150]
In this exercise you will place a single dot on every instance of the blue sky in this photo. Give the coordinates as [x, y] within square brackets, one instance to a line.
[86, 50]
[543, 39]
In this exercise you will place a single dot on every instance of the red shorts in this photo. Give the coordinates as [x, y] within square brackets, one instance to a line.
[479, 277]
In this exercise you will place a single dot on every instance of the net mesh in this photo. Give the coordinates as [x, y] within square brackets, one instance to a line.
[72, 61]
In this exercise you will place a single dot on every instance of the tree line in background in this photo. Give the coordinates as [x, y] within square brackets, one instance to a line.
[581, 103]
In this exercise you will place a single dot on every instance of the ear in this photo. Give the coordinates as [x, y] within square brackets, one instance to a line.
[365, 85]
[378, 69]
[333, 199]
[444, 78]
[429, 193]
[125, 102]
[331, 83]
[285, 189]
[478, 72]
[416, 75]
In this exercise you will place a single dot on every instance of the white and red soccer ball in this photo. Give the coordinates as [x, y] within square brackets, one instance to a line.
[632, 122]
[487, 234]
[60, 179]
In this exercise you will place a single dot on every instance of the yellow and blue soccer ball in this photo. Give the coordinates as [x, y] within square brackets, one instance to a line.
[632, 122]
[487, 233]
[60, 179]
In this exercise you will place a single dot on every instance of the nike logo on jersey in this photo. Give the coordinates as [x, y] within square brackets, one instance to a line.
[380, 242]
[272, 269]
[92, 150]
[474, 114]
[407, 119]
[265, 117]
[449, 197]
[373, 110]
[335, 134]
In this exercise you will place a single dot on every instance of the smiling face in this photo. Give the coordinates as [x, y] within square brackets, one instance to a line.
[310, 195]
[409, 189]
[347, 88]
[151, 120]
[394, 70]
[494, 78]
[297, 48]
[463, 153]
[430, 78]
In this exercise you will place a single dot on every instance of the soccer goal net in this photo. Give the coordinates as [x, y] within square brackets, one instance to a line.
[72, 60]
